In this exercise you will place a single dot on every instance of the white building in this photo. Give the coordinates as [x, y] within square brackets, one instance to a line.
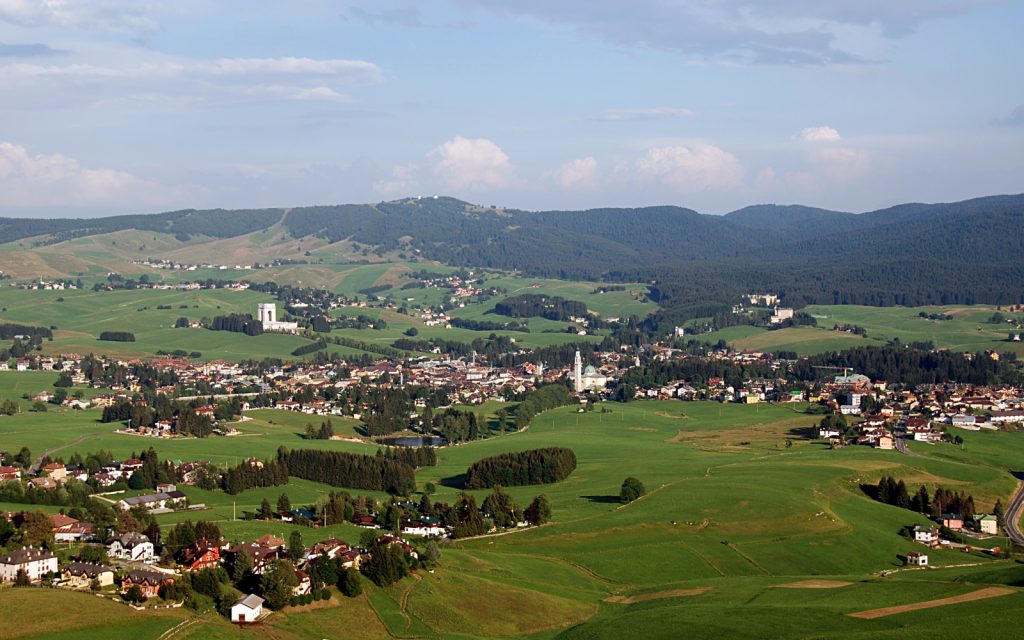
[248, 609]
[917, 559]
[130, 546]
[926, 535]
[34, 562]
[588, 378]
[266, 313]
[781, 315]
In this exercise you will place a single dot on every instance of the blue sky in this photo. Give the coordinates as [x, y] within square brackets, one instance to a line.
[116, 106]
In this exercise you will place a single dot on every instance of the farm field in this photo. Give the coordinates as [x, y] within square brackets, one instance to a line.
[731, 515]
[968, 330]
[81, 315]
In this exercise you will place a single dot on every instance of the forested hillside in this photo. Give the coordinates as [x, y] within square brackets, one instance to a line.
[913, 254]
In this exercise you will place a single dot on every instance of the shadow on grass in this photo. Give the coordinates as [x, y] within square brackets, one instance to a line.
[602, 499]
[804, 433]
[870, 490]
[455, 482]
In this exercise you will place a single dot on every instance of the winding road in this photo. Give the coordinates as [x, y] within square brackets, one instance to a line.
[1013, 512]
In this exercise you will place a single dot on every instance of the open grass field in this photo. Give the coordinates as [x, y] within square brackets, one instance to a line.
[81, 315]
[731, 515]
[969, 330]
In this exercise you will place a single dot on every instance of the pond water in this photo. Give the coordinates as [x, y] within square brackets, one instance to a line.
[412, 441]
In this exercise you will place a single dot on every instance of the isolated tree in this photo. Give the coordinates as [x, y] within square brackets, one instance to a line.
[350, 583]
[324, 570]
[134, 594]
[432, 553]
[393, 518]
[539, 511]
[34, 530]
[284, 503]
[631, 490]
[277, 583]
[21, 579]
[502, 508]
[266, 513]
[387, 564]
[997, 511]
[242, 566]
[468, 520]
[295, 547]
[23, 457]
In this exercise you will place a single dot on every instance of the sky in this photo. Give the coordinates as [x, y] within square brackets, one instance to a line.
[110, 107]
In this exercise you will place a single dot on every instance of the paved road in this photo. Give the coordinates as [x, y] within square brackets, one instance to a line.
[901, 443]
[1013, 512]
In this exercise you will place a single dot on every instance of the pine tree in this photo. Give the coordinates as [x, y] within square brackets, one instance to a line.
[902, 497]
[295, 547]
[923, 501]
[883, 491]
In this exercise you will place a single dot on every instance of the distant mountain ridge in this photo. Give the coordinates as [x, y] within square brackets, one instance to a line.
[907, 254]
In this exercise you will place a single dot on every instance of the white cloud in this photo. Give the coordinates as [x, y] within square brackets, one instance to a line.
[580, 173]
[692, 168]
[402, 182]
[791, 32]
[841, 164]
[645, 113]
[30, 181]
[478, 163]
[133, 16]
[129, 75]
[354, 70]
[820, 134]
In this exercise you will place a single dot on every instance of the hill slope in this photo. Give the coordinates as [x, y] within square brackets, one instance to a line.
[947, 253]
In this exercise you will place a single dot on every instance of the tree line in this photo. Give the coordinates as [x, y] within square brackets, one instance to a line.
[255, 473]
[237, 323]
[534, 466]
[376, 473]
[530, 305]
[943, 501]
[117, 336]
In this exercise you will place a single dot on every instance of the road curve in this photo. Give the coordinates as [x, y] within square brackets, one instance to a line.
[1013, 512]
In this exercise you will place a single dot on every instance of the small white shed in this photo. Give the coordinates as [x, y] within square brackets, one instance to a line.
[247, 610]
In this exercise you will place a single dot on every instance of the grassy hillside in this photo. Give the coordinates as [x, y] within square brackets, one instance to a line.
[732, 515]
[968, 330]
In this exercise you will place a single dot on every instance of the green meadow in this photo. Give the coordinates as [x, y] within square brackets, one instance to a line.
[968, 330]
[81, 315]
[740, 505]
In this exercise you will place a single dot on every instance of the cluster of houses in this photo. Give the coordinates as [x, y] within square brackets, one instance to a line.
[132, 556]
[979, 525]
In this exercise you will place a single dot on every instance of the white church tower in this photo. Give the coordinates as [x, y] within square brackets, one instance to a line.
[266, 313]
[577, 371]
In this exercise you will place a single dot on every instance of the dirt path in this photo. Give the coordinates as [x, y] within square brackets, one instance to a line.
[658, 595]
[814, 584]
[646, 495]
[980, 594]
[38, 462]
[404, 604]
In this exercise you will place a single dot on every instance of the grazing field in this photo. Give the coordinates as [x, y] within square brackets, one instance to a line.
[49, 613]
[968, 330]
[81, 315]
[731, 514]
